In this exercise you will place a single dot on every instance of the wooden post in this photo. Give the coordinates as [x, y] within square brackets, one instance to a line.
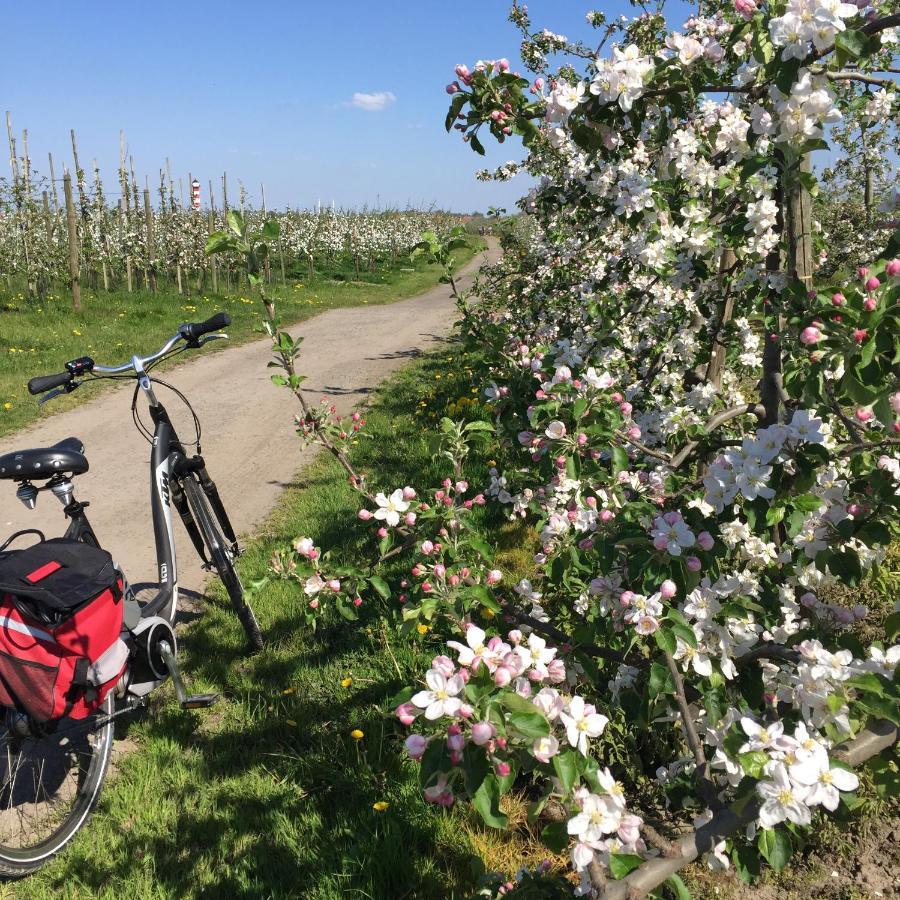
[79, 176]
[211, 219]
[53, 184]
[150, 274]
[74, 273]
[123, 173]
[123, 205]
[48, 219]
[800, 237]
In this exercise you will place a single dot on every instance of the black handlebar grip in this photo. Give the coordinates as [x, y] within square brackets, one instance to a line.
[44, 383]
[193, 331]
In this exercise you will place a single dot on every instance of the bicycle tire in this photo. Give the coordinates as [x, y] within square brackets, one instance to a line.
[222, 558]
[18, 862]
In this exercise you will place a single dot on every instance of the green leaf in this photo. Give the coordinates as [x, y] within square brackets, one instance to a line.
[555, 837]
[775, 846]
[620, 864]
[477, 146]
[746, 863]
[892, 626]
[456, 104]
[235, 222]
[487, 801]
[868, 682]
[846, 566]
[852, 42]
[807, 502]
[665, 640]
[754, 763]
[661, 681]
[525, 717]
[620, 460]
[271, 230]
[380, 586]
[566, 767]
[679, 888]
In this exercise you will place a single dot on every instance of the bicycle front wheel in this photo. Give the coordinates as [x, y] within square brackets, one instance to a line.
[221, 556]
[50, 780]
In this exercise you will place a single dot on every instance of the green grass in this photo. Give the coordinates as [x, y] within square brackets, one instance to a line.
[268, 794]
[37, 338]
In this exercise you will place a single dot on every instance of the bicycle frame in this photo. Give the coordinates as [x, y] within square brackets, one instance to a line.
[169, 465]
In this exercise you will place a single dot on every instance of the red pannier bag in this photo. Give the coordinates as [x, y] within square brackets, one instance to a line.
[61, 647]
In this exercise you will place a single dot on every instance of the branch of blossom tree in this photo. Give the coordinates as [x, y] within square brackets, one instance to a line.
[859, 76]
[568, 641]
[848, 423]
[865, 446]
[727, 821]
[693, 739]
[767, 651]
[726, 415]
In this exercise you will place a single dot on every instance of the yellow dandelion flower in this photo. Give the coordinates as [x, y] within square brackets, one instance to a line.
[357, 735]
[289, 691]
[7, 405]
[422, 628]
[487, 612]
[346, 682]
[76, 332]
[380, 805]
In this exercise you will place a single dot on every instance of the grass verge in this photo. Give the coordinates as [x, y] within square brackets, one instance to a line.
[37, 339]
[268, 794]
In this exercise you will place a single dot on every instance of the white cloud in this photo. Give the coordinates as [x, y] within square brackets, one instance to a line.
[376, 102]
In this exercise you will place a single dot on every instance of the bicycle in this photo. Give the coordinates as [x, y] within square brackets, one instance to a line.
[51, 773]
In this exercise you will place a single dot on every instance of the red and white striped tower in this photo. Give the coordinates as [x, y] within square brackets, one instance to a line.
[195, 194]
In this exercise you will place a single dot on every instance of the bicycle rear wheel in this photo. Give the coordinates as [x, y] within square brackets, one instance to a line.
[221, 555]
[50, 780]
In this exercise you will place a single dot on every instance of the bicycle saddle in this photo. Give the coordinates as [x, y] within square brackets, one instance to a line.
[45, 462]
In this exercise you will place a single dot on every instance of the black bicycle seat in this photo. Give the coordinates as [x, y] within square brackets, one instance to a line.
[65, 457]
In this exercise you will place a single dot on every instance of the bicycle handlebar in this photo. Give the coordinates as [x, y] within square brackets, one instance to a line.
[190, 332]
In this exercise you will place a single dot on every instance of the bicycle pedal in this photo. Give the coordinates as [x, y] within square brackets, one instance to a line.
[199, 701]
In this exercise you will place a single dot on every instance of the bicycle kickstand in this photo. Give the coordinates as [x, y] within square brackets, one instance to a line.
[187, 701]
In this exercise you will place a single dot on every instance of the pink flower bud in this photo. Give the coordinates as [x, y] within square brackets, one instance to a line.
[626, 597]
[502, 676]
[872, 284]
[705, 540]
[607, 515]
[693, 564]
[661, 542]
[427, 586]
[482, 732]
[870, 304]
[334, 585]
[415, 745]
[440, 570]
[893, 268]
[382, 532]
[456, 742]
[357, 601]
[314, 603]
[859, 335]
[503, 64]
[668, 589]
[364, 514]
[502, 769]
[494, 576]
[617, 397]
[313, 554]
[452, 88]
[810, 335]
[838, 299]
[625, 408]
[634, 433]
[410, 518]
[427, 547]
[864, 415]
[454, 580]
[539, 83]
[409, 493]
[862, 271]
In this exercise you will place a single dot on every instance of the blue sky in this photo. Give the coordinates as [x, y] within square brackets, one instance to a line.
[264, 91]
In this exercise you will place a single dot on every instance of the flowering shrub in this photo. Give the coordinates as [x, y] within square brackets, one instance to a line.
[701, 434]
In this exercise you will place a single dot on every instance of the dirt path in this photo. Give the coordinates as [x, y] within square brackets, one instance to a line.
[248, 442]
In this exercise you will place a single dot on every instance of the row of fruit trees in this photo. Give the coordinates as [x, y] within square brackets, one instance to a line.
[700, 433]
[140, 237]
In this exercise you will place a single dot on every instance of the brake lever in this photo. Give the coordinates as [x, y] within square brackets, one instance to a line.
[211, 337]
[67, 389]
